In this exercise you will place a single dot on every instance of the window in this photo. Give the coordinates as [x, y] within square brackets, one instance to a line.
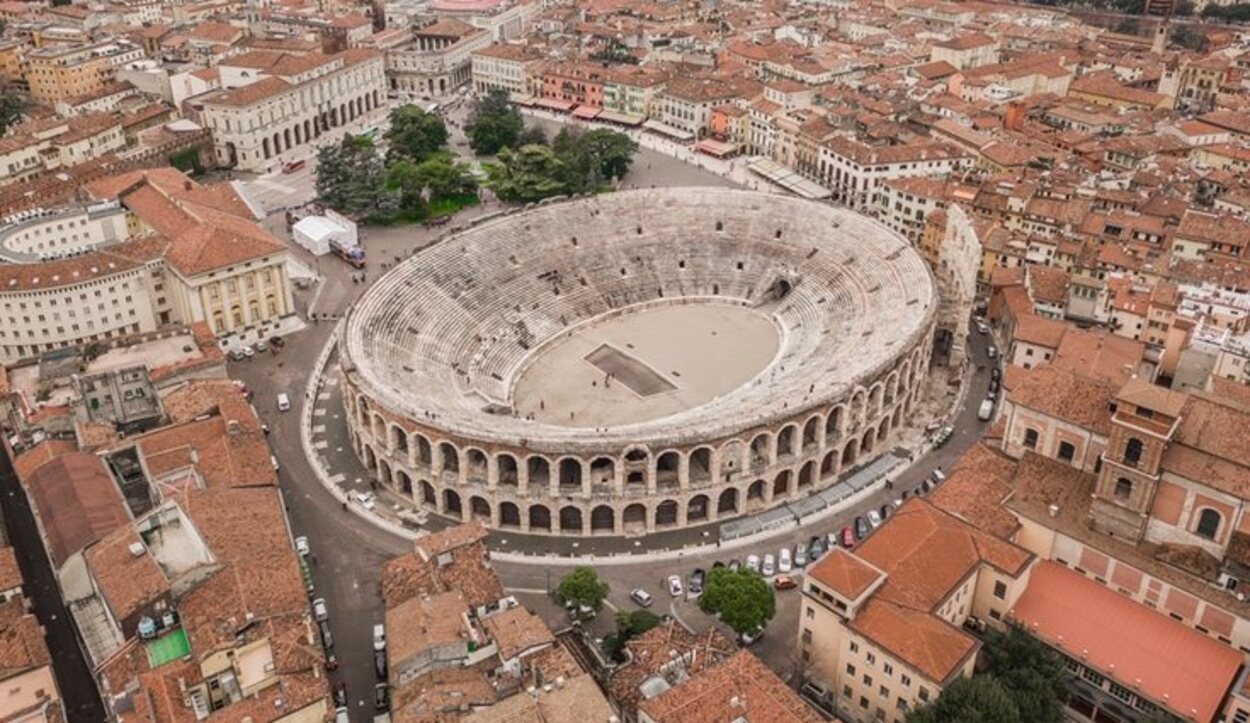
[923, 694]
[905, 680]
[850, 669]
[1000, 589]
[872, 658]
[1123, 488]
[807, 635]
[854, 647]
[1067, 452]
[1208, 523]
[887, 668]
[1030, 438]
[1132, 452]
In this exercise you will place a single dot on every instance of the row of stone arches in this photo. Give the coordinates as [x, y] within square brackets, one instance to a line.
[310, 129]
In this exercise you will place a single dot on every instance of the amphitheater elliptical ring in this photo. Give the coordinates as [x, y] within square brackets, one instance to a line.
[638, 360]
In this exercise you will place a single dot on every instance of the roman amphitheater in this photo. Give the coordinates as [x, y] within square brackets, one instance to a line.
[637, 361]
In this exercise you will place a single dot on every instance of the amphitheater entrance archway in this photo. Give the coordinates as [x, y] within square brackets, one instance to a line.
[807, 474]
[829, 466]
[833, 424]
[759, 451]
[451, 458]
[785, 441]
[870, 439]
[603, 519]
[540, 518]
[571, 519]
[756, 491]
[811, 435]
[384, 472]
[405, 482]
[696, 508]
[506, 470]
[476, 459]
[666, 470]
[479, 508]
[451, 503]
[371, 461]
[509, 515]
[849, 452]
[781, 484]
[700, 466]
[570, 473]
[728, 502]
[399, 442]
[428, 496]
[424, 456]
[539, 471]
[666, 513]
[602, 471]
[634, 518]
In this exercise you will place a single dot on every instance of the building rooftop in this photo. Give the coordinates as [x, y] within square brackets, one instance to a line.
[741, 688]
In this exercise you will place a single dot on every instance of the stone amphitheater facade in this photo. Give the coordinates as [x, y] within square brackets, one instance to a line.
[430, 353]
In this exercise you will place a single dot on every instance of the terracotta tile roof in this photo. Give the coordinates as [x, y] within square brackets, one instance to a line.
[98, 264]
[740, 688]
[658, 648]
[441, 695]
[77, 502]
[572, 699]
[1142, 393]
[1039, 330]
[517, 631]
[227, 451]
[1164, 660]
[450, 539]
[975, 488]
[22, 645]
[1048, 283]
[10, 573]
[1099, 354]
[198, 397]
[1210, 444]
[1066, 395]
[32, 459]
[127, 582]
[424, 623]
[467, 569]
[844, 573]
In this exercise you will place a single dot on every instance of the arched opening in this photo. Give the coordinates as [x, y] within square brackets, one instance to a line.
[507, 469]
[857, 407]
[666, 513]
[371, 461]
[785, 441]
[477, 464]
[636, 454]
[869, 440]
[405, 482]
[379, 429]
[636, 482]
[875, 400]
[384, 472]
[781, 484]
[1123, 488]
[603, 519]
[728, 502]
[602, 471]
[849, 453]
[811, 435]
[666, 470]
[424, 456]
[451, 458]
[1031, 436]
[451, 503]
[1133, 451]
[756, 491]
[1067, 452]
[898, 416]
[539, 471]
[479, 508]
[696, 508]
[509, 515]
[807, 474]
[427, 493]
[571, 520]
[701, 466]
[540, 518]
[571, 473]
[759, 451]
[883, 430]
[634, 518]
[399, 442]
[833, 424]
[1208, 523]
[829, 465]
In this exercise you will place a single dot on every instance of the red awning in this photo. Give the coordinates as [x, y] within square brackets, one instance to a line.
[555, 104]
[586, 112]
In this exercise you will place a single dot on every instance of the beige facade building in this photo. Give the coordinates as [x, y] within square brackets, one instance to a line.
[58, 72]
[438, 59]
[510, 68]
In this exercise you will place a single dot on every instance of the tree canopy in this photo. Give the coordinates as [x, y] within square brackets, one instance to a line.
[743, 599]
[1031, 672]
[530, 173]
[351, 178]
[12, 105]
[574, 163]
[414, 135]
[979, 699]
[493, 124]
[582, 586]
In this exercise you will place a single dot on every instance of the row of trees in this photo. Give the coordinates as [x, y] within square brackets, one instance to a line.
[574, 163]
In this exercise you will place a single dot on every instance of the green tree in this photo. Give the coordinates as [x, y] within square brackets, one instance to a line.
[1186, 37]
[532, 135]
[582, 586]
[743, 599]
[414, 134]
[444, 179]
[1032, 674]
[611, 152]
[352, 179]
[530, 173]
[12, 105]
[493, 124]
[404, 177]
[979, 699]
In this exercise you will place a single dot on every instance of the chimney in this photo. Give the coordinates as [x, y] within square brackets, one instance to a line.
[1053, 510]
[233, 428]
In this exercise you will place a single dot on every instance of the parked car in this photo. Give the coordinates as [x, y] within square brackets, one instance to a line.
[982, 327]
[768, 568]
[861, 528]
[874, 519]
[327, 640]
[248, 352]
[991, 351]
[815, 547]
[379, 664]
[784, 582]
[284, 402]
[785, 562]
[320, 611]
[379, 637]
[886, 510]
[753, 563]
[294, 166]
[751, 636]
[833, 539]
[848, 537]
[937, 475]
[381, 697]
[695, 586]
[996, 374]
[641, 597]
[277, 341]
[341, 715]
[986, 411]
[674, 585]
[261, 347]
[800, 555]
[332, 660]
[364, 499]
[340, 694]
[301, 545]
[237, 354]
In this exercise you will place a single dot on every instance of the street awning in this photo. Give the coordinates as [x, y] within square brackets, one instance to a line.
[624, 119]
[789, 179]
[668, 130]
[522, 99]
[586, 112]
[718, 149]
[564, 106]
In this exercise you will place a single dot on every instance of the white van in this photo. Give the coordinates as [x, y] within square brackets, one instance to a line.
[284, 402]
[986, 411]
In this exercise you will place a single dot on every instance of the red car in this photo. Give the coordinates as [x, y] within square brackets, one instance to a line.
[848, 537]
[784, 582]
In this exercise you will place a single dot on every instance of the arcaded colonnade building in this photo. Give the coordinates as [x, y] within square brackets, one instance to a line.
[638, 361]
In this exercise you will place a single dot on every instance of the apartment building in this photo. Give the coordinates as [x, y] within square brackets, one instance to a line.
[41, 146]
[854, 171]
[59, 72]
[687, 102]
[634, 90]
[506, 67]
[438, 60]
[273, 104]
[965, 52]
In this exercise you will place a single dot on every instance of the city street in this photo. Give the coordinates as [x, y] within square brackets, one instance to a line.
[350, 550]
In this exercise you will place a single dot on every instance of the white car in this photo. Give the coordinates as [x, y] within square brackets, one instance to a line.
[320, 612]
[800, 555]
[784, 563]
[982, 327]
[379, 637]
[248, 352]
[301, 546]
[674, 585]
[753, 563]
[992, 352]
[874, 518]
[364, 499]
[769, 568]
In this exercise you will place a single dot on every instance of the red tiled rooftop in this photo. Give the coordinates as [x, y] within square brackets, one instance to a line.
[844, 573]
